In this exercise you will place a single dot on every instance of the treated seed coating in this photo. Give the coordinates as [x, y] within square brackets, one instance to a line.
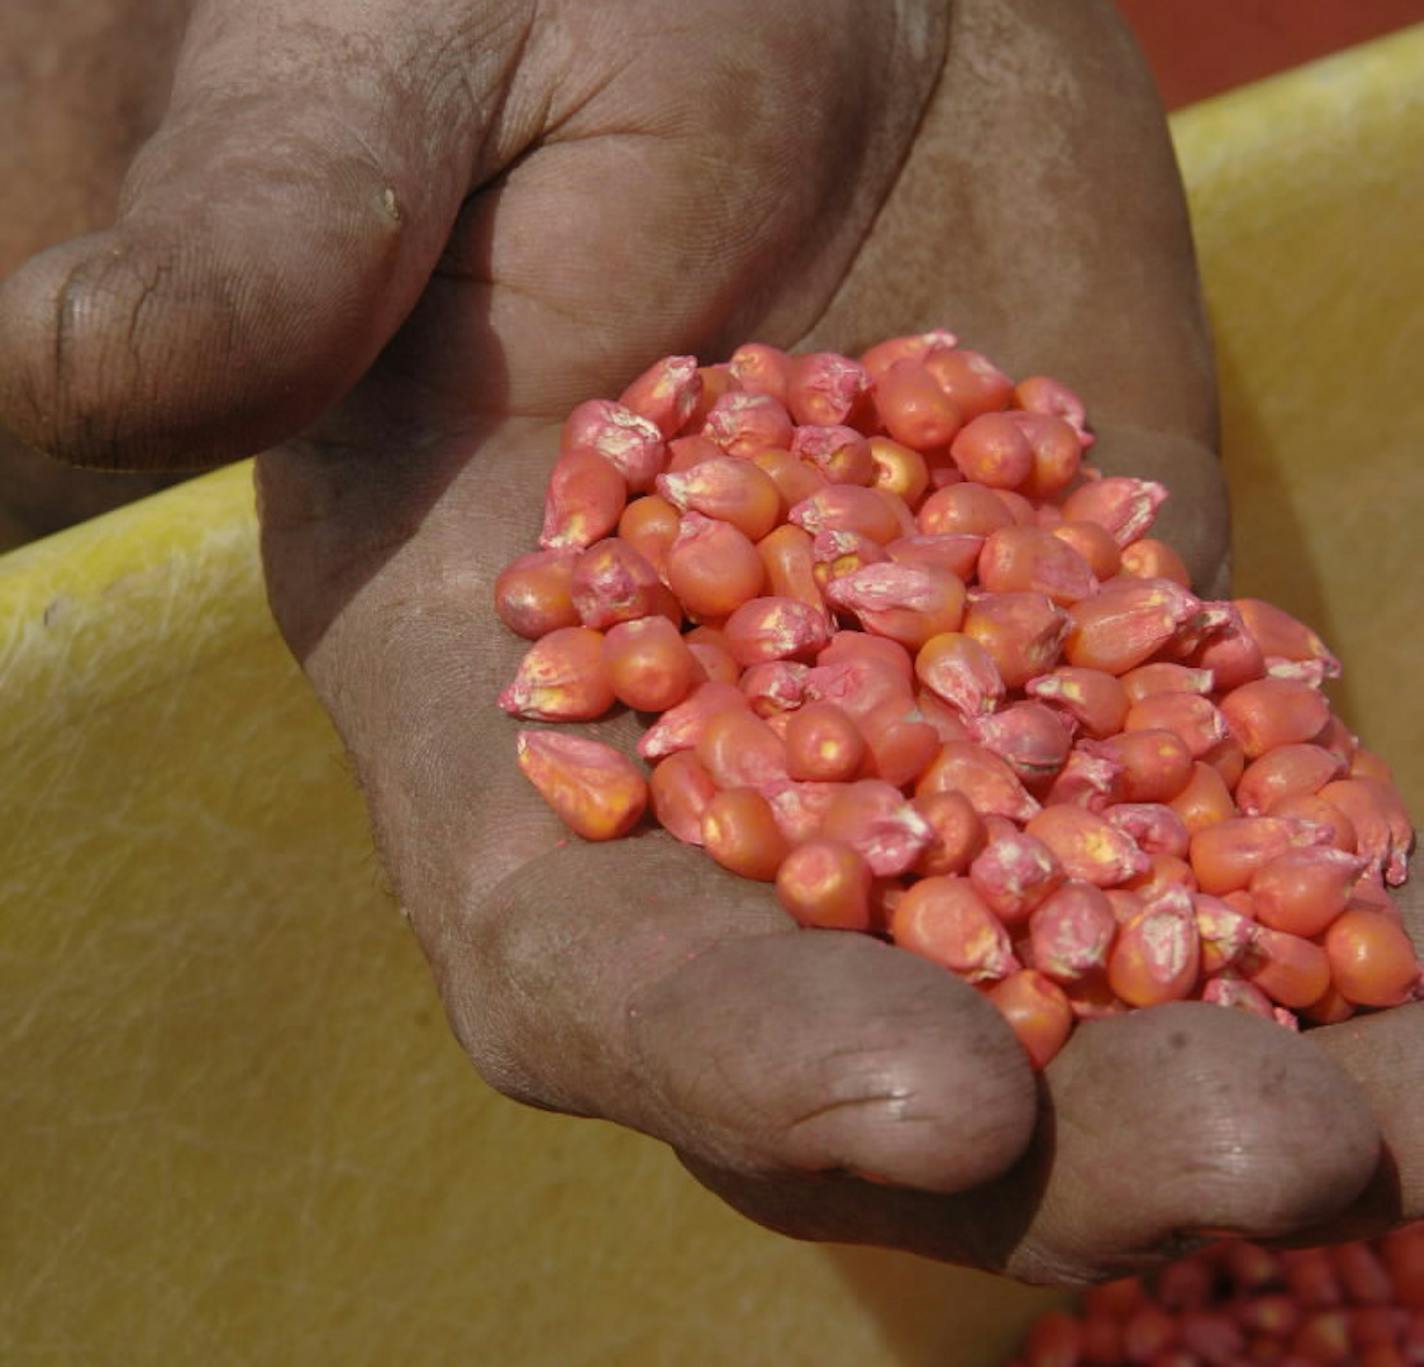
[823, 744]
[1372, 961]
[713, 568]
[824, 388]
[1273, 712]
[1225, 857]
[1072, 932]
[912, 347]
[1384, 833]
[839, 454]
[1086, 780]
[963, 510]
[681, 727]
[993, 450]
[1194, 720]
[1151, 680]
[765, 629]
[946, 921]
[992, 788]
[648, 664]
[1037, 1012]
[1125, 624]
[850, 508]
[1152, 559]
[561, 678]
[839, 553]
[650, 525]
[822, 883]
[788, 558]
[799, 809]
[1062, 619]
[630, 444]
[1022, 632]
[742, 424]
[913, 407]
[956, 834]
[741, 834]
[1043, 394]
[680, 789]
[956, 552]
[860, 645]
[1088, 848]
[714, 660]
[898, 469]
[1228, 650]
[685, 452]
[1124, 507]
[1155, 828]
[858, 685]
[1014, 874]
[731, 490]
[1157, 955]
[1279, 634]
[531, 595]
[907, 603]
[761, 369]
[1094, 699]
[612, 583]
[795, 480]
[958, 669]
[1031, 560]
[583, 503]
[901, 744]
[1032, 739]
[665, 394]
[1094, 543]
[1303, 891]
[1226, 933]
[1229, 761]
[1165, 874]
[739, 750]
[1057, 454]
[970, 380]
[1156, 765]
[878, 823]
[1288, 969]
[598, 793]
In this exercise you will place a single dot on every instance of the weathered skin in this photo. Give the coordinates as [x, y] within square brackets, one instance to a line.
[420, 232]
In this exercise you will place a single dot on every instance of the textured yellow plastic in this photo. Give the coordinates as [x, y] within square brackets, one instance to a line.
[235, 1129]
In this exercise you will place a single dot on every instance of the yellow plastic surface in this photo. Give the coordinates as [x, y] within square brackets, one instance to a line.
[235, 1129]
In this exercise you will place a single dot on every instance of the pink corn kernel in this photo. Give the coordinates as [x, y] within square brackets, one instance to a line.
[743, 424]
[665, 394]
[630, 444]
[1072, 932]
[824, 388]
[880, 824]
[680, 727]
[1014, 874]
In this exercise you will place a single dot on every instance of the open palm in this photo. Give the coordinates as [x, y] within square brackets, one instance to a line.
[422, 234]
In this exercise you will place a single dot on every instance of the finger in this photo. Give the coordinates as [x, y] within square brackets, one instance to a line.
[1384, 1052]
[641, 984]
[272, 235]
[635, 980]
[1161, 1128]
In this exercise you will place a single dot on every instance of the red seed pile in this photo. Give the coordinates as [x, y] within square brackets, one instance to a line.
[1237, 1304]
[916, 662]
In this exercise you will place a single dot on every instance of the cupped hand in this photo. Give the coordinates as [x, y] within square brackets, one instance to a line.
[416, 233]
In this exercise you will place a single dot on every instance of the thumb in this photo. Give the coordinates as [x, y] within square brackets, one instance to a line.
[272, 235]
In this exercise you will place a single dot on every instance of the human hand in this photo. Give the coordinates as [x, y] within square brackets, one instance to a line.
[487, 212]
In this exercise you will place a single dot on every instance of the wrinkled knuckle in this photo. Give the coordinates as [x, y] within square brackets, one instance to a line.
[482, 966]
